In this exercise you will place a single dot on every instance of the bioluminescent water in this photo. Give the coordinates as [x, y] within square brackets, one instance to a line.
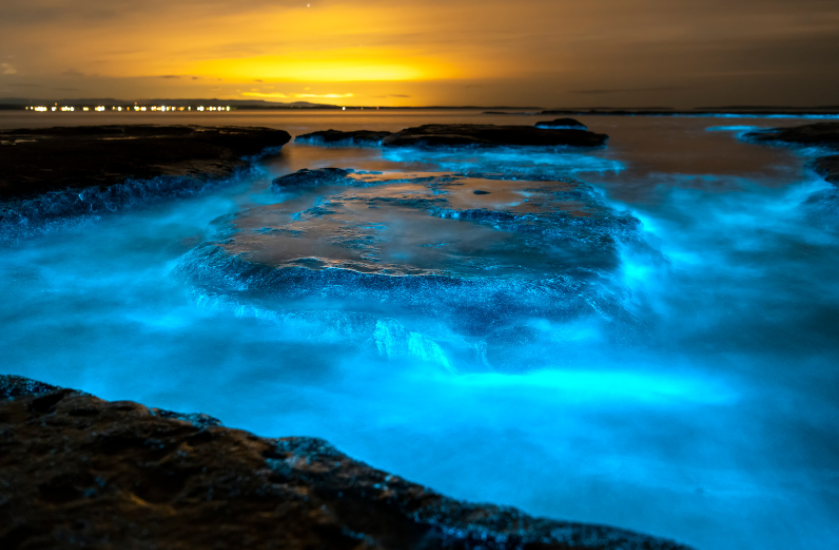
[665, 359]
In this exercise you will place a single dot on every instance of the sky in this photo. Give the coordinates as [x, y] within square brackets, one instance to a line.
[546, 53]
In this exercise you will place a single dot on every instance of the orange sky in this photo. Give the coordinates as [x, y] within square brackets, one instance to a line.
[546, 53]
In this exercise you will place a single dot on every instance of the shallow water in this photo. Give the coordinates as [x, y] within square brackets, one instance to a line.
[711, 420]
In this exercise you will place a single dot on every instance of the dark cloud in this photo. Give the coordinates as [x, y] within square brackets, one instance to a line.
[626, 90]
[72, 72]
[170, 76]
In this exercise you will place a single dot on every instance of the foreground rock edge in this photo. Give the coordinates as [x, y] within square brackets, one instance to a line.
[78, 471]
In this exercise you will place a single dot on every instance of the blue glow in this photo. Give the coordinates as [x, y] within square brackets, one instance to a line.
[702, 406]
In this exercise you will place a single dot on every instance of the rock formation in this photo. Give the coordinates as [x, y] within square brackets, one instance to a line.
[358, 138]
[825, 134]
[79, 472]
[487, 135]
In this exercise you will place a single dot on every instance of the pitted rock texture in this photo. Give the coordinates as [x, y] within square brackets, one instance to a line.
[487, 135]
[52, 159]
[79, 472]
[364, 138]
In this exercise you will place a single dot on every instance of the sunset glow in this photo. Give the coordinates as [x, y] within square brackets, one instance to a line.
[457, 52]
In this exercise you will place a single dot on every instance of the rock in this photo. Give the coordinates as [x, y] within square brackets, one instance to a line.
[425, 247]
[828, 168]
[364, 138]
[80, 472]
[487, 135]
[64, 176]
[311, 178]
[825, 134]
[37, 161]
[562, 123]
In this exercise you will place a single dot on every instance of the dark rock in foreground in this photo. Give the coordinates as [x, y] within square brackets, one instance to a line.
[487, 135]
[562, 123]
[368, 138]
[37, 161]
[825, 134]
[79, 472]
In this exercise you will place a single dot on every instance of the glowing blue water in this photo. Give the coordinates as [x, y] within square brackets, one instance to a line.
[715, 424]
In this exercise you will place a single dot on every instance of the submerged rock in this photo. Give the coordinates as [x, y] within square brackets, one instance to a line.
[825, 134]
[311, 178]
[78, 471]
[562, 123]
[420, 245]
[364, 138]
[486, 135]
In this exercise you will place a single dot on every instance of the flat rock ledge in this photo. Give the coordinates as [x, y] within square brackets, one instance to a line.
[825, 134]
[80, 472]
[358, 138]
[445, 136]
[36, 161]
[59, 177]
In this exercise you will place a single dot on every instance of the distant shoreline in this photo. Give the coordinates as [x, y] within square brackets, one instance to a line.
[216, 106]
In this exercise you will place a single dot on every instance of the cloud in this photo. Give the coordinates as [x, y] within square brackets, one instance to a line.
[7, 68]
[66, 89]
[170, 76]
[72, 72]
[196, 78]
[258, 80]
[258, 94]
[324, 96]
[606, 91]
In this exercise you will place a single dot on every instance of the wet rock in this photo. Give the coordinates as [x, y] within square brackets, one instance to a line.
[828, 168]
[562, 123]
[79, 472]
[59, 177]
[311, 178]
[363, 138]
[825, 134]
[38, 161]
[429, 246]
[486, 135]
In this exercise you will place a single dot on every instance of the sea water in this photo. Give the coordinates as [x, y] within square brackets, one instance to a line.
[712, 421]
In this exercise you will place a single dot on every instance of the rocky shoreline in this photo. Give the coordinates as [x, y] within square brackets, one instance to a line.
[80, 472]
[824, 135]
[57, 175]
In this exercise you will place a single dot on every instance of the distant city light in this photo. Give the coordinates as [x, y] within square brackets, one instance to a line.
[154, 108]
